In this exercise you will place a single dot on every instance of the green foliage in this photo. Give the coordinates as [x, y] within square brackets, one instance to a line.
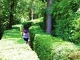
[8, 50]
[14, 34]
[43, 46]
[27, 23]
[63, 49]
[52, 48]
[4, 15]
[13, 47]
[22, 10]
[35, 29]
[16, 37]
[64, 14]
[39, 8]
[75, 55]
[76, 31]
[34, 26]
[43, 24]
[37, 21]
[18, 27]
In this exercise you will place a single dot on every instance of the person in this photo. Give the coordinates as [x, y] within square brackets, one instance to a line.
[25, 34]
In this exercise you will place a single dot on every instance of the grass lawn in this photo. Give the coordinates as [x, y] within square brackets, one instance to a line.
[13, 47]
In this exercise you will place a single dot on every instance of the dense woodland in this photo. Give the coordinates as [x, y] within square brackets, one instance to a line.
[61, 17]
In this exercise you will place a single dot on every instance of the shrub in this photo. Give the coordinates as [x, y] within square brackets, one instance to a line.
[35, 29]
[33, 22]
[13, 47]
[28, 23]
[51, 48]
[18, 26]
[3, 25]
[76, 31]
[37, 21]
[62, 21]
[75, 56]
[48, 47]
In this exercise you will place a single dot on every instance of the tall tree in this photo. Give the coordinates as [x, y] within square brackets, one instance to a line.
[11, 14]
[48, 17]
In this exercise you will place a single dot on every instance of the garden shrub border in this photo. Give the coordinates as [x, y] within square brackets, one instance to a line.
[48, 47]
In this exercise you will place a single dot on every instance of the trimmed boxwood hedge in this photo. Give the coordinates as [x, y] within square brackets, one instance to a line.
[33, 22]
[18, 26]
[35, 29]
[28, 23]
[52, 48]
[48, 47]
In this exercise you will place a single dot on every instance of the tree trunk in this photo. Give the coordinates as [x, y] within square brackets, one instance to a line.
[31, 10]
[11, 14]
[48, 17]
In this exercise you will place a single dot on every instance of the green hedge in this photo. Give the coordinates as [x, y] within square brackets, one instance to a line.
[28, 23]
[35, 29]
[65, 15]
[37, 21]
[48, 47]
[33, 22]
[75, 36]
[18, 26]
[51, 48]
[13, 47]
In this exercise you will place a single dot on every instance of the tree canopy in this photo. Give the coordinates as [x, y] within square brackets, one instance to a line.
[61, 17]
